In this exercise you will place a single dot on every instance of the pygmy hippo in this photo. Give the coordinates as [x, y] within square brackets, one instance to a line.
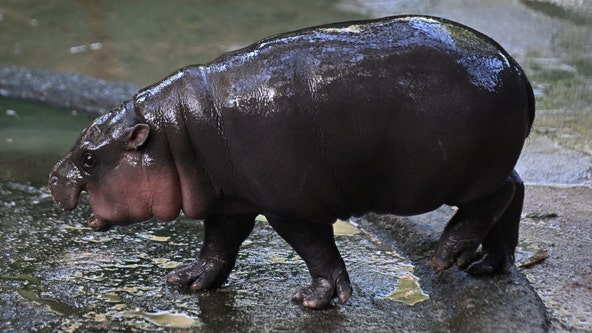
[398, 115]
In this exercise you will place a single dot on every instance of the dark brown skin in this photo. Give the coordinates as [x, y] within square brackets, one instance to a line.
[399, 115]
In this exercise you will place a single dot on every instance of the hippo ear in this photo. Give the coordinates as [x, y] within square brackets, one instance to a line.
[137, 136]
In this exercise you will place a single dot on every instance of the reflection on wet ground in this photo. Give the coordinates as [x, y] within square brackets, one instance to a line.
[62, 276]
[57, 275]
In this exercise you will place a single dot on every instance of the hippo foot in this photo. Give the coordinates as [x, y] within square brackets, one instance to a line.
[320, 292]
[491, 223]
[467, 255]
[476, 263]
[463, 253]
[490, 263]
[203, 273]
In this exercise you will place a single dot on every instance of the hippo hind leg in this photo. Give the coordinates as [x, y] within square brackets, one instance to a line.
[493, 223]
[315, 244]
[223, 236]
[500, 244]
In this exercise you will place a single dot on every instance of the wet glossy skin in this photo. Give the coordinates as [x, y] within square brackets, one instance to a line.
[399, 115]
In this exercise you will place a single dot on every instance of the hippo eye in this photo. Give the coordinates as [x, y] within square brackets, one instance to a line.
[88, 160]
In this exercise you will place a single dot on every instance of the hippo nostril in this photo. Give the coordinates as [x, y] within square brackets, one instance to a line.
[53, 181]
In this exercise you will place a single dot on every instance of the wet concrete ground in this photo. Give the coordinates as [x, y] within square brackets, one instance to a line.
[57, 275]
[553, 253]
[558, 221]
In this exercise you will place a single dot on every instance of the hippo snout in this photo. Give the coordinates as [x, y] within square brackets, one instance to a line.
[64, 186]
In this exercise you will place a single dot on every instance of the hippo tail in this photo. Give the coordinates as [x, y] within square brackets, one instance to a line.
[531, 106]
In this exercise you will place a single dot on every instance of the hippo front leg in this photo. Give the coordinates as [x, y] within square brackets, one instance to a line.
[315, 244]
[223, 236]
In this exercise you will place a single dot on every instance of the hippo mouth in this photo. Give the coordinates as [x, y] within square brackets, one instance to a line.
[66, 197]
[98, 224]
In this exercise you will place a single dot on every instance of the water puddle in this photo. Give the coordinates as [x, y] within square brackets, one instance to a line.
[31, 291]
[32, 294]
[166, 319]
[528, 254]
[344, 228]
[408, 291]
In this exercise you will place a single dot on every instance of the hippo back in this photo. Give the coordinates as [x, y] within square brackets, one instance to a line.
[397, 115]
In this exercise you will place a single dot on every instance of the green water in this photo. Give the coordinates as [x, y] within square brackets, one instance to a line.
[130, 41]
[33, 137]
[142, 41]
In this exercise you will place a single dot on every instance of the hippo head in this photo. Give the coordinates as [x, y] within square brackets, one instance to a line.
[115, 161]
